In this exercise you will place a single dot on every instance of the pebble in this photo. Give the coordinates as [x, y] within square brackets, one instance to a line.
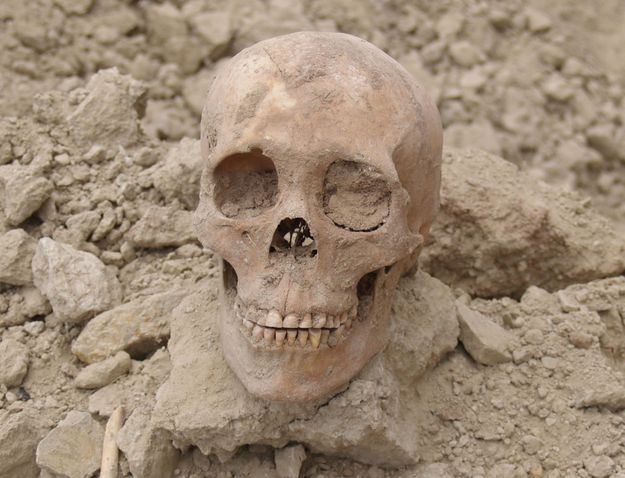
[17, 249]
[289, 461]
[99, 374]
[14, 362]
[600, 466]
[534, 337]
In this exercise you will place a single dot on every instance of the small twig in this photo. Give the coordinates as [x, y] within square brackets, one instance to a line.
[110, 452]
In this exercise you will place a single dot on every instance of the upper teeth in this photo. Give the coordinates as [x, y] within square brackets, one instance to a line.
[313, 329]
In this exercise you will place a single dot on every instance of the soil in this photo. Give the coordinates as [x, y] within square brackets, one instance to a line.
[100, 102]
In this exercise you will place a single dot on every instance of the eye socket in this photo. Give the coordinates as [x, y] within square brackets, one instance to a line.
[356, 196]
[245, 184]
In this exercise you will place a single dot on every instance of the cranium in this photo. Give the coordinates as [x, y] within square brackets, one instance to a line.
[321, 181]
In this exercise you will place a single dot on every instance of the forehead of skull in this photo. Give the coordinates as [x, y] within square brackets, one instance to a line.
[314, 90]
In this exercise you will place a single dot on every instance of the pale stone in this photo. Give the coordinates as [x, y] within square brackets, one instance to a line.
[109, 114]
[13, 362]
[24, 191]
[102, 373]
[138, 327]
[19, 435]
[289, 461]
[76, 283]
[599, 466]
[487, 342]
[491, 241]
[17, 249]
[207, 406]
[465, 54]
[149, 451]
[216, 29]
[74, 448]
[163, 227]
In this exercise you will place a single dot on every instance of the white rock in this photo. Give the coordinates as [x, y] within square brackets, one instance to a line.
[487, 342]
[138, 327]
[76, 283]
[537, 21]
[17, 249]
[289, 461]
[25, 190]
[109, 114]
[163, 227]
[216, 28]
[102, 373]
[149, 451]
[13, 363]
[164, 21]
[465, 53]
[74, 448]
[19, 435]
[599, 466]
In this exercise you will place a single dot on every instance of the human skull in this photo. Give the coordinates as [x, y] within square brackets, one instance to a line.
[322, 175]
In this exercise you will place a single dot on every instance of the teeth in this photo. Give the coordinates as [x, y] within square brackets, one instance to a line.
[319, 320]
[325, 335]
[315, 337]
[269, 334]
[302, 336]
[343, 317]
[348, 324]
[291, 336]
[306, 322]
[280, 336]
[353, 312]
[257, 333]
[291, 321]
[274, 319]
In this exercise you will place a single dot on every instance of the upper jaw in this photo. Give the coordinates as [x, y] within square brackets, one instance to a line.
[309, 331]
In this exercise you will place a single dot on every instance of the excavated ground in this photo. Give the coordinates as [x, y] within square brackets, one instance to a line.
[100, 103]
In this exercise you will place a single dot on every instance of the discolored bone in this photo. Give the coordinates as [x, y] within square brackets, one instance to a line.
[322, 175]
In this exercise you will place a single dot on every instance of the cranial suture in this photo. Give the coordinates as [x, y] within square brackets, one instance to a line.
[322, 176]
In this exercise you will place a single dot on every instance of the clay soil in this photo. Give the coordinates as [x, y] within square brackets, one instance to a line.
[539, 83]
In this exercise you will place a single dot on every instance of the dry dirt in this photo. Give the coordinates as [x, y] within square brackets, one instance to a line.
[100, 103]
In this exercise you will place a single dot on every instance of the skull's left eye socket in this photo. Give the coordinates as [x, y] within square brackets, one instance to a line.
[245, 184]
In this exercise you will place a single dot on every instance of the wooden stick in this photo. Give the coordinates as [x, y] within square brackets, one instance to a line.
[110, 453]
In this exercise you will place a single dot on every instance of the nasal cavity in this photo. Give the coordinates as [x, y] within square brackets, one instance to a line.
[293, 237]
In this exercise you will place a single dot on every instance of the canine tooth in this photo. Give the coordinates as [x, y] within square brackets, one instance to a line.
[280, 336]
[325, 335]
[315, 337]
[291, 321]
[274, 319]
[257, 332]
[291, 336]
[269, 334]
[348, 324]
[319, 320]
[302, 336]
[306, 322]
[342, 319]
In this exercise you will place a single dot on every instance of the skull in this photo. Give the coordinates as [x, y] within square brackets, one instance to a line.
[322, 175]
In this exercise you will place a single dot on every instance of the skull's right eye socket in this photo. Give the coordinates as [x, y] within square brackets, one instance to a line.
[245, 184]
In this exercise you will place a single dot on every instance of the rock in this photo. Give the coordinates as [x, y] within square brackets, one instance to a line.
[484, 340]
[500, 231]
[76, 283]
[74, 448]
[537, 21]
[289, 461]
[556, 88]
[27, 303]
[208, 407]
[465, 54]
[601, 138]
[164, 21]
[178, 176]
[19, 435]
[216, 28]
[163, 227]
[14, 363]
[612, 399]
[99, 374]
[139, 327]
[109, 114]
[17, 249]
[600, 466]
[480, 135]
[23, 190]
[149, 451]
